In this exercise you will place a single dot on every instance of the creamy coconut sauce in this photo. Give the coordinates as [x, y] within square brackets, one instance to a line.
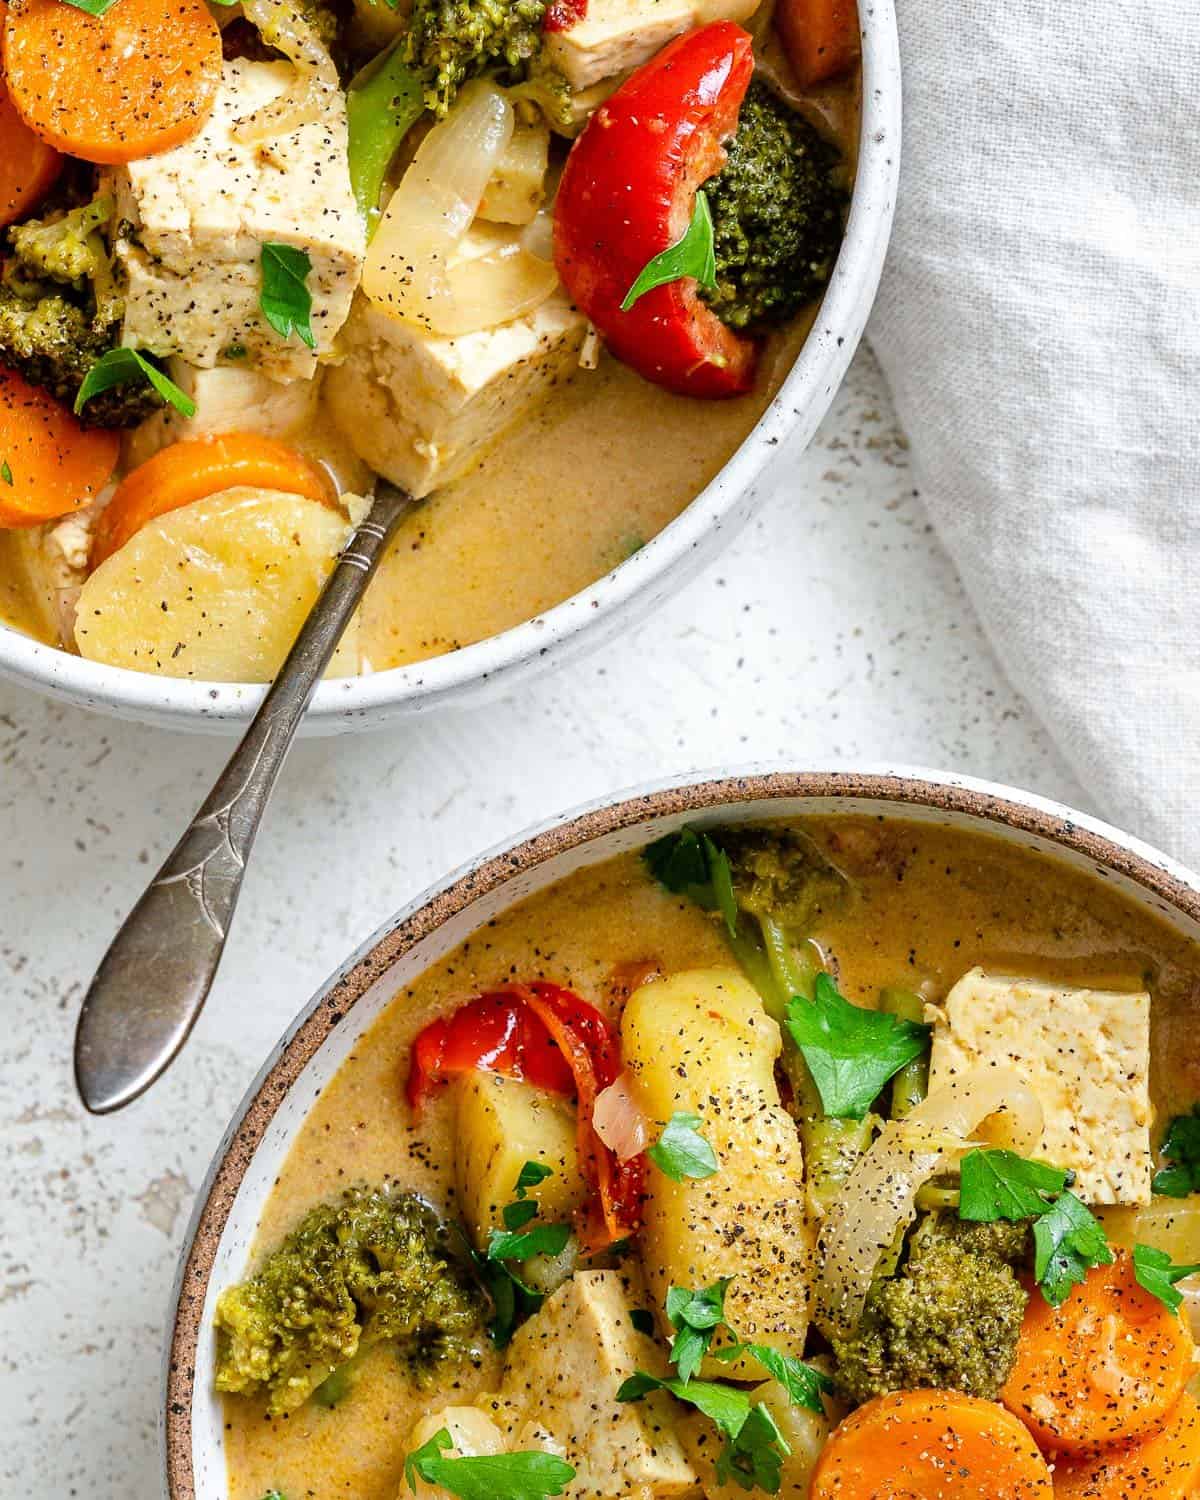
[931, 903]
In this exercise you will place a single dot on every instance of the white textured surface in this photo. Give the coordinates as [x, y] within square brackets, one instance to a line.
[835, 628]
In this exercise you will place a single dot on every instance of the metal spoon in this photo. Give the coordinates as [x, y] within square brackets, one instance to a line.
[153, 981]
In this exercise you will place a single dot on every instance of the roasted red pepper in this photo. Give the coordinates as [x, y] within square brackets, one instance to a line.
[627, 194]
[549, 1037]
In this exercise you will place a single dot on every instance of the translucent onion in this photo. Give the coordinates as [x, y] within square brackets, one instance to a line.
[408, 263]
[538, 235]
[283, 26]
[618, 1121]
[879, 1199]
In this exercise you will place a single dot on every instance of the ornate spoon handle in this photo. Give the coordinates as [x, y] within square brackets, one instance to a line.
[153, 981]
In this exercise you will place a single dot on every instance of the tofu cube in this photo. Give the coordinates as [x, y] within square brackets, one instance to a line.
[617, 35]
[564, 1368]
[420, 408]
[194, 221]
[1085, 1053]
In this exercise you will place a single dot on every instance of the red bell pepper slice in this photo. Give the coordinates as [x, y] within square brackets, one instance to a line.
[549, 1037]
[627, 193]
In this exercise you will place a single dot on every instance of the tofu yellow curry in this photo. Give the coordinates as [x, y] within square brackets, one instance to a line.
[542, 261]
[854, 1159]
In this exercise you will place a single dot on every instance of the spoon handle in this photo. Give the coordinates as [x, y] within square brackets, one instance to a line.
[153, 981]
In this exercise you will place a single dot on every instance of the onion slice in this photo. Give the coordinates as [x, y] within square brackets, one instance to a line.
[618, 1121]
[282, 25]
[879, 1200]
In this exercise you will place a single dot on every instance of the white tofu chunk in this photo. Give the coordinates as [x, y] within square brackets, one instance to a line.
[1086, 1055]
[564, 1368]
[420, 408]
[617, 35]
[228, 399]
[196, 219]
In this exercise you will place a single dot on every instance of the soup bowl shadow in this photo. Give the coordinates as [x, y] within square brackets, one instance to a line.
[249, 1158]
[618, 599]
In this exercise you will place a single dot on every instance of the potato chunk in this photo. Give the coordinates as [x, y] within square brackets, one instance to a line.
[216, 590]
[472, 1435]
[701, 1043]
[503, 1123]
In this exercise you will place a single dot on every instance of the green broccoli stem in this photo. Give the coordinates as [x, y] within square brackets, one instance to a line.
[911, 1083]
[383, 103]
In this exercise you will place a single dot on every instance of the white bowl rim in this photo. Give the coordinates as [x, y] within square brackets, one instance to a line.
[698, 793]
[131, 694]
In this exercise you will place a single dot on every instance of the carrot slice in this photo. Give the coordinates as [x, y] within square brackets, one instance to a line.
[193, 470]
[1104, 1367]
[1163, 1466]
[28, 166]
[931, 1445]
[49, 466]
[820, 37]
[133, 82]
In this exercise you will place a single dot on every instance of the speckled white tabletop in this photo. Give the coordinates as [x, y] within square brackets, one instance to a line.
[833, 629]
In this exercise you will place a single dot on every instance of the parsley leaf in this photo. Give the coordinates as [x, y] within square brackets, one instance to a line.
[696, 1317]
[121, 365]
[496, 1476]
[681, 1151]
[997, 1184]
[693, 255]
[6, 472]
[642, 1321]
[515, 1215]
[1181, 1148]
[542, 1239]
[803, 1384]
[284, 296]
[1154, 1272]
[851, 1052]
[1068, 1241]
[97, 8]
[754, 1458]
[530, 1175]
[725, 1405]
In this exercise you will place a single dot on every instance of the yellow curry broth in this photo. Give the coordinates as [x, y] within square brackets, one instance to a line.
[929, 903]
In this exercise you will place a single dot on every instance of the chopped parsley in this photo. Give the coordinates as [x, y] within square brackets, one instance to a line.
[1181, 1150]
[98, 8]
[122, 365]
[6, 472]
[542, 1239]
[494, 1476]
[1068, 1241]
[851, 1052]
[998, 1184]
[695, 1316]
[681, 1151]
[1153, 1271]
[692, 255]
[284, 296]
[513, 1300]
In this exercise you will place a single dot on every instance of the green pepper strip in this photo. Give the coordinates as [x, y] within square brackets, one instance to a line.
[383, 103]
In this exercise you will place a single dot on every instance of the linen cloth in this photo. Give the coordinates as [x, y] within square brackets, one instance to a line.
[1039, 325]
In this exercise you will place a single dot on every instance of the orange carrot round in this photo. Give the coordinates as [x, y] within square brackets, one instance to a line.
[49, 466]
[820, 37]
[1163, 1466]
[133, 82]
[193, 470]
[931, 1445]
[28, 166]
[1104, 1367]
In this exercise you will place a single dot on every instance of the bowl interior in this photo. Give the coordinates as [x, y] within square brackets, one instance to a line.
[308, 1057]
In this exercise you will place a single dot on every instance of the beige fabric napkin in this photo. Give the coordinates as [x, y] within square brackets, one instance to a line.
[1039, 324]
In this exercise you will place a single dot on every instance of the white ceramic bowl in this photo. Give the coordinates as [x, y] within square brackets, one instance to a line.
[620, 597]
[258, 1139]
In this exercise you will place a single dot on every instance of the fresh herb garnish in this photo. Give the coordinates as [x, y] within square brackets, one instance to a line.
[851, 1052]
[643, 1321]
[530, 1175]
[753, 1450]
[1154, 1272]
[693, 255]
[6, 472]
[754, 1458]
[513, 1300]
[120, 366]
[1068, 1241]
[1181, 1149]
[803, 1384]
[497, 1476]
[998, 1184]
[681, 1151]
[284, 296]
[695, 1316]
[98, 8]
[542, 1239]
[726, 1405]
[690, 864]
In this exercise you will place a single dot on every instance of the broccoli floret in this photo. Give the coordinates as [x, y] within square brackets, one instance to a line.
[949, 1319]
[60, 311]
[373, 1267]
[777, 209]
[460, 39]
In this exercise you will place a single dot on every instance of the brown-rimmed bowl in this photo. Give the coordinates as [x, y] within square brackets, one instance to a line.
[313, 1048]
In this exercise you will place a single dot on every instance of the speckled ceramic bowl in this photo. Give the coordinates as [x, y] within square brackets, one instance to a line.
[620, 597]
[261, 1133]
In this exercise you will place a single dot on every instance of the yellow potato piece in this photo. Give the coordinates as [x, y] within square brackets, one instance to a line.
[472, 1435]
[216, 590]
[701, 1043]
